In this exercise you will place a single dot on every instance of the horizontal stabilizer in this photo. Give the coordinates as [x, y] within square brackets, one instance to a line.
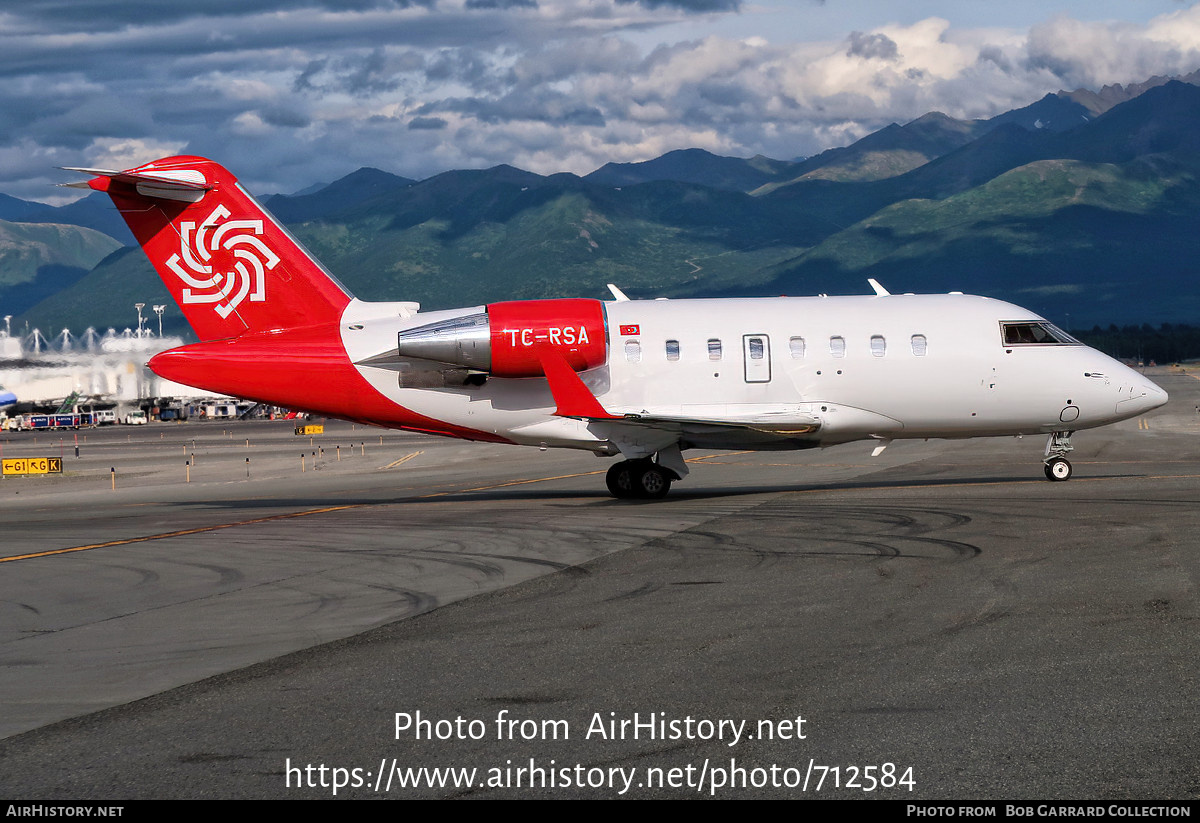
[182, 179]
[187, 185]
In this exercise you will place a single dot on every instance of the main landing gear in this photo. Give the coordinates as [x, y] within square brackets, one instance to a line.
[1058, 445]
[639, 480]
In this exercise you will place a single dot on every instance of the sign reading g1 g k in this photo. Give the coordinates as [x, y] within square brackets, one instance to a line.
[31, 465]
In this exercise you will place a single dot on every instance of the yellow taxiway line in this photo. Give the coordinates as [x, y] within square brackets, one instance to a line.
[403, 459]
[182, 532]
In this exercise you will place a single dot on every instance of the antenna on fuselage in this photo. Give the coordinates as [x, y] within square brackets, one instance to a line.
[879, 290]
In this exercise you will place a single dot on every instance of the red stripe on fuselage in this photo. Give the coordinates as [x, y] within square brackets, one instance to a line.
[303, 368]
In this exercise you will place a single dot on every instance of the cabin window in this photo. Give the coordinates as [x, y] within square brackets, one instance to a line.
[672, 350]
[714, 349]
[919, 345]
[878, 345]
[633, 351]
[1040, 333]
[796, 347]
[837, 346]
[756, 348]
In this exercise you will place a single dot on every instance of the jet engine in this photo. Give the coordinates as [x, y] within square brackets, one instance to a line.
[505, 339]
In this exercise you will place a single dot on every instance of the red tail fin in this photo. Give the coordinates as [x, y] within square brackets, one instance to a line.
[227, 262]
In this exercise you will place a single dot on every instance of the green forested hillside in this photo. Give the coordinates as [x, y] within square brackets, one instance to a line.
[37, 260]
[1099, 222]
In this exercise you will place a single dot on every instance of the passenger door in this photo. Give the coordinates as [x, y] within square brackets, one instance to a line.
[756, 353]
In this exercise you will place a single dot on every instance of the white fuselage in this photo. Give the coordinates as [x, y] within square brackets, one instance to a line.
[885, 367]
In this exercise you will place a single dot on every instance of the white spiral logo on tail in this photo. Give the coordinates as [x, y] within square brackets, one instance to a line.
[249, 256]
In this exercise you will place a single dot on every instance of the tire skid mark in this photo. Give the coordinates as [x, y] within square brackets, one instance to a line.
[640, 591]
[875, 533]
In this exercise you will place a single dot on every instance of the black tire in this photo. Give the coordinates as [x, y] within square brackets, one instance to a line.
[620, 479]
[1058, 469]
[651, 481]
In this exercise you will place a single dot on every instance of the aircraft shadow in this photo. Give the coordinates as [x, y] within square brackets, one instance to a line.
[603, 498]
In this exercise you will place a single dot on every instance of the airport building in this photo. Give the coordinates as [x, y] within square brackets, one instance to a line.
[92, 371]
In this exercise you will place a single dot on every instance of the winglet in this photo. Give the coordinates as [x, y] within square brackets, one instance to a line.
[879, 290]
[574, 399]
[617, 294]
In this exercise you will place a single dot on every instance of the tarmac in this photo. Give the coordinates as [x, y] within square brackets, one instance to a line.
[229, 610]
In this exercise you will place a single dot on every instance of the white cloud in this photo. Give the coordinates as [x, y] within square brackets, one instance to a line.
[110, 153]
[289, 94]
[1090, 54]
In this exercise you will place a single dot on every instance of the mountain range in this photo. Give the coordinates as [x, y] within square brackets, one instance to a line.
[1082, 206]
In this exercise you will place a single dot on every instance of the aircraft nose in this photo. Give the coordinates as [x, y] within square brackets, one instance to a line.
[1153, 395]
[1141, 397]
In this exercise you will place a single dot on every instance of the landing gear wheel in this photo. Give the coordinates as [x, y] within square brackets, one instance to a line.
[638, 480]
[1057, 468]
[620, 479]
[651, 481]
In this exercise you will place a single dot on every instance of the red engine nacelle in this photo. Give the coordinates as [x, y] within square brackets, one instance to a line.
[509, 339]
[574, 327]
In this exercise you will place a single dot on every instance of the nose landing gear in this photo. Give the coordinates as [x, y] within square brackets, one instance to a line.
[1058, 468]
[1058, 445]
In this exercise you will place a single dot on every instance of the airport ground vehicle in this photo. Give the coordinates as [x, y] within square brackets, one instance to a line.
[71, 420]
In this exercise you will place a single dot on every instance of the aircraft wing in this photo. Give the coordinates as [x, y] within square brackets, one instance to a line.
[767, 418]
[574, 399]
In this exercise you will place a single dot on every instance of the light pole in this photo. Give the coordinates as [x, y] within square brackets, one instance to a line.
[159, 311]
[139, 306]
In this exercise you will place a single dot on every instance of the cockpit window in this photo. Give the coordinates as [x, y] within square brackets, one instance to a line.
[1040, 333]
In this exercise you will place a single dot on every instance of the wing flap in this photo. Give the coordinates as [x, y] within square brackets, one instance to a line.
[768, 418]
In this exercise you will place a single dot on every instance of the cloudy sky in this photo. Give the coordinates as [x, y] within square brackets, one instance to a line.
[290, 92]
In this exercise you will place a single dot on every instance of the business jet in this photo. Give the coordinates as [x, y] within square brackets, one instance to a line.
[643, 380]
